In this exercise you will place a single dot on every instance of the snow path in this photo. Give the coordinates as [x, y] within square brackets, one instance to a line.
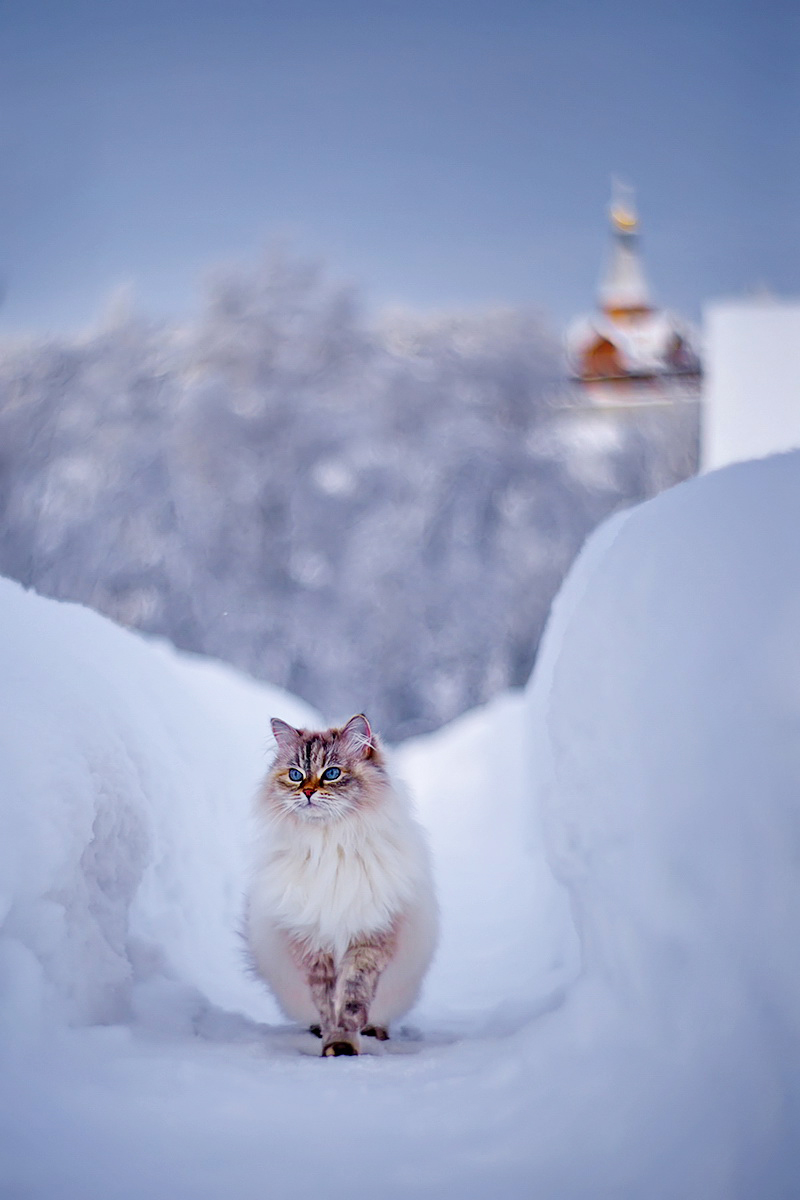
[126, 865]
[646, 784]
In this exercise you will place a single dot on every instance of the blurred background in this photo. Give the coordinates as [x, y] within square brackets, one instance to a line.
[293, 366]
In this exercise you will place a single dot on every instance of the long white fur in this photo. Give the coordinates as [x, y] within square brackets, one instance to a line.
[327, 883]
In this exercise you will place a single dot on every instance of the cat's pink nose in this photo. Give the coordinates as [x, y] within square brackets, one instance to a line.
[309, 792]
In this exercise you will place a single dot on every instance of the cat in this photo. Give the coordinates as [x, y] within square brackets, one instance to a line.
[341, 918]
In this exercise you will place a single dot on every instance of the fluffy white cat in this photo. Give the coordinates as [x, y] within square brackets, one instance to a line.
[341, 915]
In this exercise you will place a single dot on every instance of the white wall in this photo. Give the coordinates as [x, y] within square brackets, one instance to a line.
[752, 392]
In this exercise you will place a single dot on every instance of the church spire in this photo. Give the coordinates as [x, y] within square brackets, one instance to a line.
[624, 292]
[629, 340]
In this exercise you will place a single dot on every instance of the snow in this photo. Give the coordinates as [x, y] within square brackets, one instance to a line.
[752, 400]
[614, 1008]
[128, 772]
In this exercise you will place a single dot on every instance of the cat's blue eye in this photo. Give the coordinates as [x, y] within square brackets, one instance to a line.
[332, 773]
[295, 775]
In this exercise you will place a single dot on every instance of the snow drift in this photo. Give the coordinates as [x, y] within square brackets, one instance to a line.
[643, 792]
[127, 773]
[665, 715]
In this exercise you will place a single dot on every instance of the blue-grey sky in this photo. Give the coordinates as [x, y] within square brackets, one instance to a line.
[437, 153]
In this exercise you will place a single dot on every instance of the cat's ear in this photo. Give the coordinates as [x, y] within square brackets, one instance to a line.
[356, 737]
[285, 735]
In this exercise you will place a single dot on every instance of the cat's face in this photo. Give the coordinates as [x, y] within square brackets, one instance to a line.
[327, 775]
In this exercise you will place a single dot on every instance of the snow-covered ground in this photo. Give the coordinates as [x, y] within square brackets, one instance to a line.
[614, 1010]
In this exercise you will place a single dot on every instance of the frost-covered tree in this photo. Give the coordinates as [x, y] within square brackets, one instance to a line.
[373, 517]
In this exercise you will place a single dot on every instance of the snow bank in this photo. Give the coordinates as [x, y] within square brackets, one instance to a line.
[508, 946]
[666, 714]
[127, 774]
[655, 755]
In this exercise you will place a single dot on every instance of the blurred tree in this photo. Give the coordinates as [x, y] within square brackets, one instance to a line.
[375, 518]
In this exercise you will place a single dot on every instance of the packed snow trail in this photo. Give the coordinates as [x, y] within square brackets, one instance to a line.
[645, 785]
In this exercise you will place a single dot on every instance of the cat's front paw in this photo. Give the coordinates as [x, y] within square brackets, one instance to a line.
[340, 1043]
[376, 1031]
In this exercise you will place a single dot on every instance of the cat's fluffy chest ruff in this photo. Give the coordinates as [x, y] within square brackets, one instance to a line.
[330, 883]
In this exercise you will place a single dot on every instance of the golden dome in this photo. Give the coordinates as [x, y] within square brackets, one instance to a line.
[623, 218]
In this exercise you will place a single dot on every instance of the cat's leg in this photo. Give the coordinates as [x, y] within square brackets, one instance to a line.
[377, 1031]
[322, 981]
[357, 979]
[320, 973]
